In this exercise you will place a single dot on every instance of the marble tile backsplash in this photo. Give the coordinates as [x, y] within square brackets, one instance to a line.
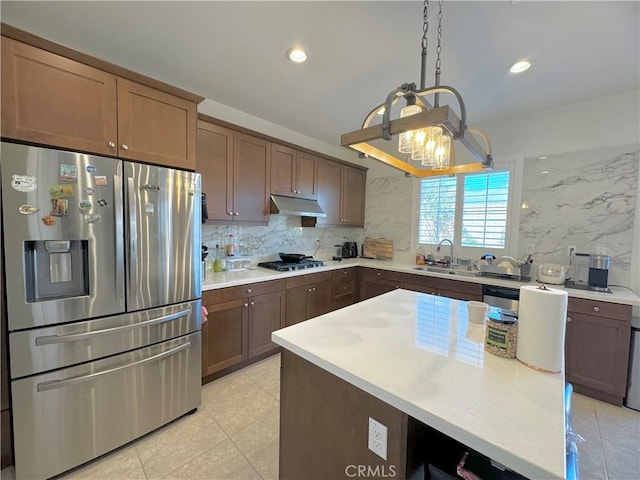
[586, 199]
[283, 234]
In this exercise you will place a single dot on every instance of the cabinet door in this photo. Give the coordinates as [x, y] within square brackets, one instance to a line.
[251, 178]
[319, 298]
[155, 126]
[266, 315]
[305, 176]
[597, 352]
[283, 161]
[329, 192]
[225, 335]
[353, 188]
[49, 99]
[215, 163]
[297, 305]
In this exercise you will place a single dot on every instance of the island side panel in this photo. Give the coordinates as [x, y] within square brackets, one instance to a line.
[324, 427]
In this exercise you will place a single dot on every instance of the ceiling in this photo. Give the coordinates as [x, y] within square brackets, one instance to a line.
[233, 52]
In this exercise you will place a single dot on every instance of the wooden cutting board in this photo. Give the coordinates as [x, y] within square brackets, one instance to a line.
[378, 248]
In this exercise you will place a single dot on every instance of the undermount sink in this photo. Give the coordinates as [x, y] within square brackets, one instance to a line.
[449, 271]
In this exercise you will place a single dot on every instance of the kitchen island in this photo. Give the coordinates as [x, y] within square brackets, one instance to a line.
[410, 360]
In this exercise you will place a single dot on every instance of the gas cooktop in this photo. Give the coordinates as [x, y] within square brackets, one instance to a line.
[281, 266]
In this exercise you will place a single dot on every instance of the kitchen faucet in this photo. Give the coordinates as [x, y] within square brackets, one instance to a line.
[451, 254]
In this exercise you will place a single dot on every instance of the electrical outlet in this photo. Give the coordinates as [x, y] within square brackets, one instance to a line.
[601, 250]
[377, 438]
[530, 248]
[571, 250]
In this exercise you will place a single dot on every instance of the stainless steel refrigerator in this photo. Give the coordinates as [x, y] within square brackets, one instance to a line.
[102, 265]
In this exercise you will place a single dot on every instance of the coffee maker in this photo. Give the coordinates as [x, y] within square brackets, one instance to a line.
[599, 272]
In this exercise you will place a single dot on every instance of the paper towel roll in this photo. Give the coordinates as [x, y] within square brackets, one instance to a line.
[542, 318]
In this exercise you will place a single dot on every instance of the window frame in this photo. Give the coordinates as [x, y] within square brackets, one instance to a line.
[512, 163]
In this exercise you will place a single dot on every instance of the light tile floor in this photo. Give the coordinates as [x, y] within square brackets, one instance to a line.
[234, 435]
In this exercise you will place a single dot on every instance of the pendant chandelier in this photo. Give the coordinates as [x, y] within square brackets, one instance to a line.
[425, 129]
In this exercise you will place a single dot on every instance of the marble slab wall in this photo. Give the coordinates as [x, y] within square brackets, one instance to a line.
[586, 199]
[283, 234]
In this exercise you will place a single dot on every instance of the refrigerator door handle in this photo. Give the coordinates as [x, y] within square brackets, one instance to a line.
[119, 235]
[133, 248]
[51, 339]
[54, 384]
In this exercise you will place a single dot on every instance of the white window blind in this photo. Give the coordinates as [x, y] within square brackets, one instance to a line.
[482, 206]
[484, 210]
[437, 209]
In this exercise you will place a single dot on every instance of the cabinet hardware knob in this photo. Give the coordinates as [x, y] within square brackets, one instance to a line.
[378, 273]
[314, 289]
[344, 273]
[111, 145]
[253, 303]
[568, 319]
[229, 213]
[235, 214]
[248, 290]
[309, 289]
[245, 304]
[125, 146]
[344, 288]
[596, 309]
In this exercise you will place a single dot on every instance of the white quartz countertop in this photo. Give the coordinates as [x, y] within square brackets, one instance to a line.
[256, 274]
[418, 353]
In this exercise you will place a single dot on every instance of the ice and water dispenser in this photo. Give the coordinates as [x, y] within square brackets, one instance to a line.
[56, 269]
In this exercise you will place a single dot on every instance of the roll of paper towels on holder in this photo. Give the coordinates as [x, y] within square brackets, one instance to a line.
[541, 328]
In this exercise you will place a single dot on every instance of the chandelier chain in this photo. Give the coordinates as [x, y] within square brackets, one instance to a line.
[425, 25]
[439, 48]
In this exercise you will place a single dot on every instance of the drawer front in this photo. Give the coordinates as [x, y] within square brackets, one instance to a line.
[301, 280]
[383, 274]
[211, 297]
[600, 309]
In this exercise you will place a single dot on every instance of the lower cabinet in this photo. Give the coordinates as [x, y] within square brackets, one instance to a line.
[308, 296]
[240, 322]
[376, 282]
[597, 348]
[344, 287]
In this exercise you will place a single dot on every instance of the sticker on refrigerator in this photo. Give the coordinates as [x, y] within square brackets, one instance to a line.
[91, 169]
[28, 209]
[102, 202]
[59, 207]
[48, 221]
[100, 180]
[92, 218]
[84, 205]
[24, 183]
[68, 173]
[148, 209]
[60, 191]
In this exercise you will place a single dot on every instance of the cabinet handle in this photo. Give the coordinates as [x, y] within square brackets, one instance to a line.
[596, 309]
[309, 289]
[111, 144]
[314, 289]
[568, 319]
[245, 304]
[248, 290]
[344, 273]
[252, 303]
[344, 288]
[125, 146]
[235, 214]
[378, 273]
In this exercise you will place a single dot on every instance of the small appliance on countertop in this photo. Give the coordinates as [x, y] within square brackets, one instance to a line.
[292, 261]
[589, 272]
[552, 273]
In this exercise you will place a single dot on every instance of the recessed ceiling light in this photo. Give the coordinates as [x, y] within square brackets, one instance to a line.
[297, 55]
[520, 66]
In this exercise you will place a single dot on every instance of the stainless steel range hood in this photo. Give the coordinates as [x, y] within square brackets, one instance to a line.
[295, 206]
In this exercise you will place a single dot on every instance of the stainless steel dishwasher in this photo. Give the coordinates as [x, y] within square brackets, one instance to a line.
[505, 298]
[633, 385]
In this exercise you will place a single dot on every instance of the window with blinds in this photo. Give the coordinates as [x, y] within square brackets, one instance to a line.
[481, 205]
